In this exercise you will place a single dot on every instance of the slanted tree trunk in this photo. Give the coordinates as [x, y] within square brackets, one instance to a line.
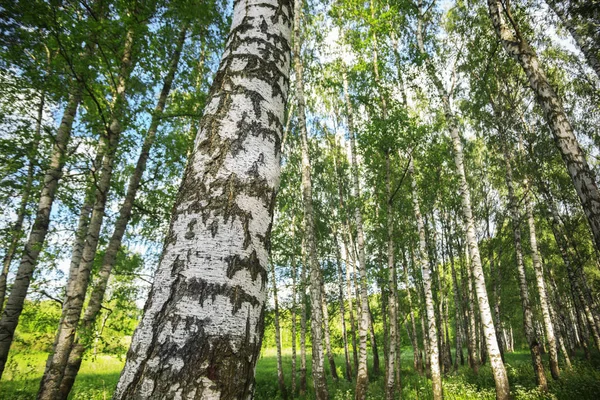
[580, 172]
[423, 260]
[530, 334]
[582, 21]
[77, 285]
[16, 231]
[552, 293]
[280, 375]
[110, 256]
[201, 332]
[37, 236]
[362, 378]
[539, 275]
[497, 277]
[316, 320]
[562, 243]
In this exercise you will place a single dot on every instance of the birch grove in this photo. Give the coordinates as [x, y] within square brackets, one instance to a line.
[299, 200]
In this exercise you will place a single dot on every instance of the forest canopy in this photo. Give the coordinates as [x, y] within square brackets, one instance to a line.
[333, 199]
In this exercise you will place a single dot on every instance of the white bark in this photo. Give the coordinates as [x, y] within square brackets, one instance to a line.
[423, 260]
[202, 327]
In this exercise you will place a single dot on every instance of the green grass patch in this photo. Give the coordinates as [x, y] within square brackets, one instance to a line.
[98, 378]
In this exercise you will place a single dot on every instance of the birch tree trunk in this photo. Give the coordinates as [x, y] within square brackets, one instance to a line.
[16, 230]
[350, 263]
[280, 375]
[327, 336]
[37, 236]
[348, 259]
[541, 285]
[417, 358]
[552, 293]
[362, 377]
[110, 256]
[581, 27]
[532, 340]
[338, 259]
[471, 329]
[77, 285]
[303, 327]
[573, 156]
[293, 316]
[316, 320]
[562, 243]
[391, 357]
[201, 332]
[423, 260]
[457, 305]
[498, 370]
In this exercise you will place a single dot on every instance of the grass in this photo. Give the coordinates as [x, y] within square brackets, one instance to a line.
[98, 378]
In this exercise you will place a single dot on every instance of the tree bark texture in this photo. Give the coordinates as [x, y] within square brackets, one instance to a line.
[573, 156]
[201, 332]
[338, 259]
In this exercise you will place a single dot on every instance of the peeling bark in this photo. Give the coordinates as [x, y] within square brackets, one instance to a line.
[201, 332]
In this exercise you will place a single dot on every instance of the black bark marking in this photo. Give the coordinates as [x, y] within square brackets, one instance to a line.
[251, 264]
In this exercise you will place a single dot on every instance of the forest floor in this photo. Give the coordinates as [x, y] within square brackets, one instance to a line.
[98, 378]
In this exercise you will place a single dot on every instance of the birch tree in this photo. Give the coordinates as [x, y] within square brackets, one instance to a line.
[204, 316]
